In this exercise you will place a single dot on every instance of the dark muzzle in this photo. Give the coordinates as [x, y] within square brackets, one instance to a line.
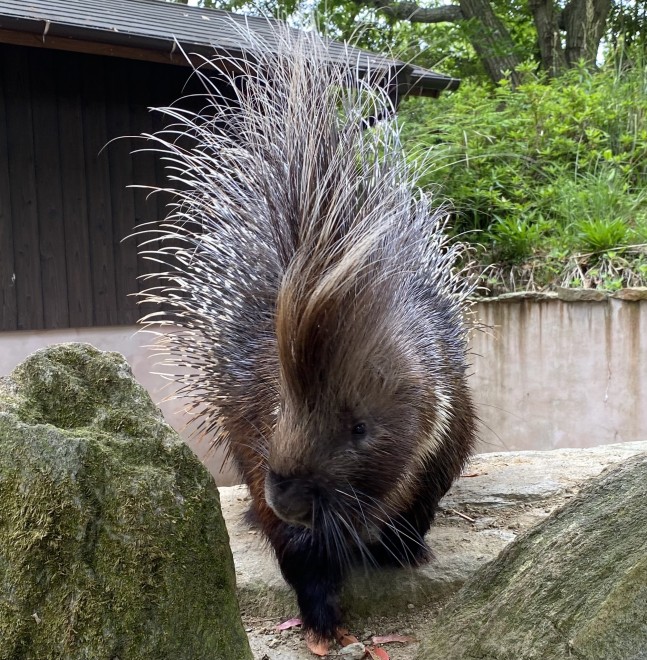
[290, 497]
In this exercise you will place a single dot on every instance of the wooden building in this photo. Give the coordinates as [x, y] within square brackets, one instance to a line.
[74, 77]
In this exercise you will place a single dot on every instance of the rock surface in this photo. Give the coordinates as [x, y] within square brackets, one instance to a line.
[111, 541]
[499, 497]
[574, 586]
[567, 294]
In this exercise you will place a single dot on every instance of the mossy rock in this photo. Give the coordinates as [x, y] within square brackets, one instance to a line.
[112, 544]
[575, 586]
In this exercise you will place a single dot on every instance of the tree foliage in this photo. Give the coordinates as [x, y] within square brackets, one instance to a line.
[472, 37]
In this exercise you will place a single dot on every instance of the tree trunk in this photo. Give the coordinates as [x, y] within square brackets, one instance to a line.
[549, 37]
[493, 43]
[584, 22]
[564, 36]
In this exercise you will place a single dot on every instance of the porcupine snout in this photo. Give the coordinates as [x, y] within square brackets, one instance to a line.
[290, 497]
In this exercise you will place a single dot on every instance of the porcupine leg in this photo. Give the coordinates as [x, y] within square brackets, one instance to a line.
[315, 578]
[402, 543]
[304, 562]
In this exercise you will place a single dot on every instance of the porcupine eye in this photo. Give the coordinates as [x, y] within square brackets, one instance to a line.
[359, 430]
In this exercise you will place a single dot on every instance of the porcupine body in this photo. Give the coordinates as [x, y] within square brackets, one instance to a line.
[316, 315]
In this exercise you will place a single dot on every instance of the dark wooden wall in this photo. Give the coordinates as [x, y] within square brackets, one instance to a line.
[64, 203]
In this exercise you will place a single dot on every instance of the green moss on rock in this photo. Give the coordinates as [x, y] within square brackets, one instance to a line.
[575, 586]
[112, 544]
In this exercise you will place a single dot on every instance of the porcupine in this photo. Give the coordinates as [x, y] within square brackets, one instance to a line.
[316, 311]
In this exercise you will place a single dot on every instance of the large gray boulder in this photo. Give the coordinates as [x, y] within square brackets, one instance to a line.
[112, 545]
[574, 586]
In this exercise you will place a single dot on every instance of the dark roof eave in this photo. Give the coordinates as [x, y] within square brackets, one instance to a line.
[427, 83]
[90, 39]
[57, 36]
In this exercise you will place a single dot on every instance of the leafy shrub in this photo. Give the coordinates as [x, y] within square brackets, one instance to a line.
[556, 165]
[514, 239]
[601, 235]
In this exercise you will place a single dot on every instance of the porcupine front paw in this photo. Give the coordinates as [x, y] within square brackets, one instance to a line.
[317, 583]
[320, 611]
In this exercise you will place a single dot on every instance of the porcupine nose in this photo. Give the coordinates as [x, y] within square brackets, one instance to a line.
[290, 497]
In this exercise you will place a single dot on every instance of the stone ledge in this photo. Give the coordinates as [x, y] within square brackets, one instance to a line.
[632, 294]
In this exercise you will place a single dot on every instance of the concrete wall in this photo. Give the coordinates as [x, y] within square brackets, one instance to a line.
[550, 374]
[546, 373]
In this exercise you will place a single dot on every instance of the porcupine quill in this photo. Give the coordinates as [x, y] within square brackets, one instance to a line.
[316, 311]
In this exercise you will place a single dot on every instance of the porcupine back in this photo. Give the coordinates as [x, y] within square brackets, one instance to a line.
[297, 246]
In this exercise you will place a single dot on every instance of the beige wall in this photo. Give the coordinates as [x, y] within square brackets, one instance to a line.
[545, 374]
[551, 374]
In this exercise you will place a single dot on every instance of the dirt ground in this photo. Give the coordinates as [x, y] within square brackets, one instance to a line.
[269, 644]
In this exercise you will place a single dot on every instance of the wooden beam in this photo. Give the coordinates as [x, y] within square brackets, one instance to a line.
[97, 176]
[49, 197]
[8, 305]
[96, 48]
[75, 194]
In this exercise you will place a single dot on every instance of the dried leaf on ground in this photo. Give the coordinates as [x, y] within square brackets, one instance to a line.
[290, 623]
[387, 639]
[346, 639]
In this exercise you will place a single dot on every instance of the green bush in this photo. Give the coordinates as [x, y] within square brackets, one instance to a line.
[599, 235]
[554, 168]
[514, 240]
